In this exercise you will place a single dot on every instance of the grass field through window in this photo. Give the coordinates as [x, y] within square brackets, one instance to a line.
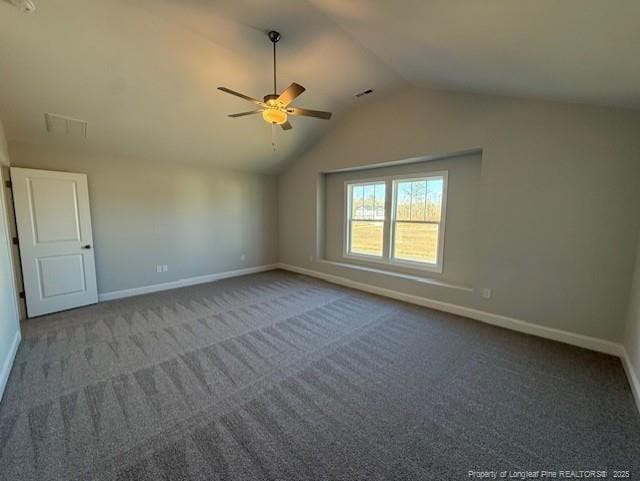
[416, 242]
[366, 237]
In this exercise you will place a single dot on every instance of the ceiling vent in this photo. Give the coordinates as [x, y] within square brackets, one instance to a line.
[27, 6]
[60, 124]
[363, 93]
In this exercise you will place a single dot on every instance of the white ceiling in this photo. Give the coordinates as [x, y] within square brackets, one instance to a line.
[144, 73]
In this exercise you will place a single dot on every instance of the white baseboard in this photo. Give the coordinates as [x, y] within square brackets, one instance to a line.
[7, 364]
[189, 281]
[580, 340]
[632, 375]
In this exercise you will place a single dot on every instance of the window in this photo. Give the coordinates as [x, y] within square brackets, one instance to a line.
[366, 218]
[416, 219]
[406, 230]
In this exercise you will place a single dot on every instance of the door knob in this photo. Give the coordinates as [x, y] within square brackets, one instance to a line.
[88, 246]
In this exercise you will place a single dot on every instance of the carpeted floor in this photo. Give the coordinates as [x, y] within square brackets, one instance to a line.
[279, 376]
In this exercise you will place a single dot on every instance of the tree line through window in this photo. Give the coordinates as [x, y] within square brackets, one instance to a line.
[406, 227]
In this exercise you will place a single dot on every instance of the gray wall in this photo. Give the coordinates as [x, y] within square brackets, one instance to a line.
[632, 335]
[557, 210]
[9, 325]
[197, 220]
[460, 229]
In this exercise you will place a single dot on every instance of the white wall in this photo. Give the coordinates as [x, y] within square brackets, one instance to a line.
[198, 220]
[557, 210]
[9, 324]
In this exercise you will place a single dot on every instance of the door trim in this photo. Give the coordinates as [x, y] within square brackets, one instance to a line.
[5, 231]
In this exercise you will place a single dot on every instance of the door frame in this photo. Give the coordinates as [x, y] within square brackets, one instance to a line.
[6, 231]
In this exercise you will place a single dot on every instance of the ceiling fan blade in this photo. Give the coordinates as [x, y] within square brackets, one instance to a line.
[290, 94]
[286, 126]
[242, 96]
[319, 114]
[242, 114]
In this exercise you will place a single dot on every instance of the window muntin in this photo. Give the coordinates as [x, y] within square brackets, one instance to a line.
[366, 219]
[417, 218]
[405, 229]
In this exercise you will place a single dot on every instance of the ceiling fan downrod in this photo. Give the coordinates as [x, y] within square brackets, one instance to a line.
[274, 37]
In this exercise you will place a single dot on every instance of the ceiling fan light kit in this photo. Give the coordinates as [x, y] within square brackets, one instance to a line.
[276, 108]
[274, 116]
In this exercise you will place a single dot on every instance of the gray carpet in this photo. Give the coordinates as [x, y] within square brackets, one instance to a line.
[279, 376]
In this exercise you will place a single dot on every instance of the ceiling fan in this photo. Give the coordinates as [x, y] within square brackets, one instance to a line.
[275, 109]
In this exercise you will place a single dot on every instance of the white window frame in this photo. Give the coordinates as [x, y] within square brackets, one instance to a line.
[391, 194]
[438, 265]
[347, 224]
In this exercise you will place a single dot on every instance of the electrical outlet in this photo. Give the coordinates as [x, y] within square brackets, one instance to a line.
[310, 258]
[165, 268]
[486, 293]
[243, 257]
[158, 268]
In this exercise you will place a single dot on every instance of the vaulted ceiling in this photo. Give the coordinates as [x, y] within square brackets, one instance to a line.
[144, 73]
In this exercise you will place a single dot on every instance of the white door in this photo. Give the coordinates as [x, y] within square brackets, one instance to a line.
[56, 243]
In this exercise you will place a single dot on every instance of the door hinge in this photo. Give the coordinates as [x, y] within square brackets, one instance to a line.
[22, 296]
[8, 184]
[15, 241]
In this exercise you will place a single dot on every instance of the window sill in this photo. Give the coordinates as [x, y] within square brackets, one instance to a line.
[401, 263]
[410, 277]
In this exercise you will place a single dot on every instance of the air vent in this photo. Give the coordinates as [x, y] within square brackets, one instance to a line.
[60, 124]
[364, 92]
[27, 6]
